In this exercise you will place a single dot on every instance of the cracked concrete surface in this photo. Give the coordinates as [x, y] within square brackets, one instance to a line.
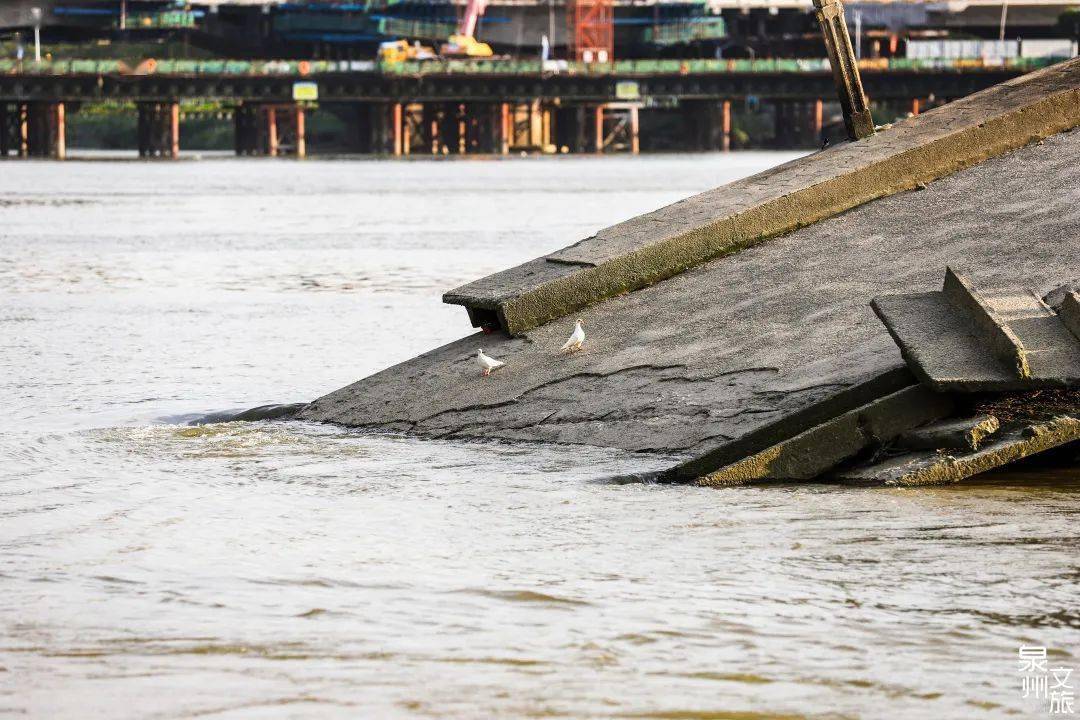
[700, 360]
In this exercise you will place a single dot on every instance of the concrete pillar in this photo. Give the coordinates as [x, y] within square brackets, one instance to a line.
[42, 130]
[598, 121]
[408, 127]
[396, 133]
[159, 129]
[725, 126]
[301, 133]
[853, 101]
[174, 130]
[505, 128]
[24, 130]
[59, 131]
[272, 144]
[429, 128]
[463, 120]
[547, 127]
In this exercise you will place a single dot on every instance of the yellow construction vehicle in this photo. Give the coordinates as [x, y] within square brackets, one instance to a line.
[463, 43]
[464, 46]
[395, 51]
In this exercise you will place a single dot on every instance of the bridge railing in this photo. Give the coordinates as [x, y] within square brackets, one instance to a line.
[293, 68]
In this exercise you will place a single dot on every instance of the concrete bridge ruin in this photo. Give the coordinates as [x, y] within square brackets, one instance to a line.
[734, 329]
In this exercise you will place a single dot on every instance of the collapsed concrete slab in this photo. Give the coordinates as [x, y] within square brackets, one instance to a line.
[821, 448]
[960, 340]
[658, 245]
[752, 348]
[941, 467]
[957, 434]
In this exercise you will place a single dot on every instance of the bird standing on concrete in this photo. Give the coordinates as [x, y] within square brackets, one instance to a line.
[486, 363]
[576, 339]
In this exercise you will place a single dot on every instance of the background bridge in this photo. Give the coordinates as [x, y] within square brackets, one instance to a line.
[450, 107]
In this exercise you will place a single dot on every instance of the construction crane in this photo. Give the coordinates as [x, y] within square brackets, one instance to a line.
[464, 43]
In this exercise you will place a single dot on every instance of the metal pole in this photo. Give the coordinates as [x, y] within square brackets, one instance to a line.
[36, 14]
[857, 119]
[551, 28]
[858, 34]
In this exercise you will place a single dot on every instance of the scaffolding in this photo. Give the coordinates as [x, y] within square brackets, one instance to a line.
[592, 30]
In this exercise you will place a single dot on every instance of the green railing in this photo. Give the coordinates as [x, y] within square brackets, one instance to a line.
[676, 32]
[493, 66]
[170, 19]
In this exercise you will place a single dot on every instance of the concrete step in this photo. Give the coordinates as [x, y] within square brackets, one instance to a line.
[960, 339]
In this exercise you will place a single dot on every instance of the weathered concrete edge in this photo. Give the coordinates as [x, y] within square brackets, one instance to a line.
[1003, 342]
[819, 449]
[965, 434]
[1010, 381]
[906, 170]
[791, 425]
[946, 469]
[1070, 313]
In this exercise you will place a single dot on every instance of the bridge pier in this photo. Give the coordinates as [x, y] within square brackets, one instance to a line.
[267, 129]
[483, 128]
[617, 127]
[35, 129]
[707, 125]
[452, 128]
[158, 129]
[530, 126]
[460, 128]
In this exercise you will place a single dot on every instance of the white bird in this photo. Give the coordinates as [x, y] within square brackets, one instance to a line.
[486, 363]
[576, 339]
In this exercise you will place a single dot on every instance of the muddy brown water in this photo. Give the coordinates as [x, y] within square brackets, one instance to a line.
[149, 569]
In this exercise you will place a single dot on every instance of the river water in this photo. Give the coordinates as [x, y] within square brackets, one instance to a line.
[150, 569]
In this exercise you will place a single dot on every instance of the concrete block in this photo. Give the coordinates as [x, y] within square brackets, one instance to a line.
[1002, 341]
[811, 453]
[965, 434]
[962, 340]
[935, 468]
[1055, 297]
[1070, 313]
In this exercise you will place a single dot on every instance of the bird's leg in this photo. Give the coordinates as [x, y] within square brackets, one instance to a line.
[487, 371]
